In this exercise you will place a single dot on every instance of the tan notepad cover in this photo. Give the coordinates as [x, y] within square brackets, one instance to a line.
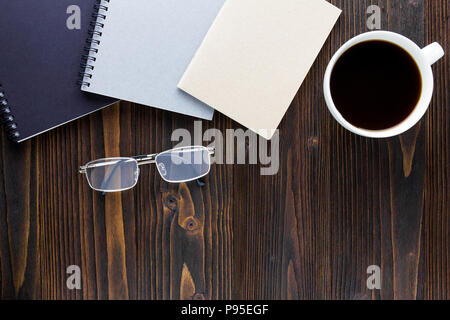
[255, 57]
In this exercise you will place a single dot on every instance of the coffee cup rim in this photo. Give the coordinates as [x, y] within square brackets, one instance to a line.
[426, 77]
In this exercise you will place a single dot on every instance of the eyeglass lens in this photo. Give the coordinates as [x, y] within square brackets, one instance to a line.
[112, 174]
[186, 164]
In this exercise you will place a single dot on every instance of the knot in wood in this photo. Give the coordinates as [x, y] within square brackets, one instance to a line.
[313, 142]
[171, 202]
[199, 296]
[192, 224]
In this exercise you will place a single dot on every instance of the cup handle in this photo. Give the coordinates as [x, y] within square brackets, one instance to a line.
[433, 52]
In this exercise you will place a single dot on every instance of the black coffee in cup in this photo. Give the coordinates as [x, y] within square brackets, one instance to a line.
[375, 85]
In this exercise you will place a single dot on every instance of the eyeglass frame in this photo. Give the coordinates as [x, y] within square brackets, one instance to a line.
[143, 160]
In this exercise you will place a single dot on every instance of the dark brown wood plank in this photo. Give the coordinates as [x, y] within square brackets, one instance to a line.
[435, 278]
[407, 172]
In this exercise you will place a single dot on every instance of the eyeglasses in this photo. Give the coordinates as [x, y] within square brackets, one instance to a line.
[175, 166]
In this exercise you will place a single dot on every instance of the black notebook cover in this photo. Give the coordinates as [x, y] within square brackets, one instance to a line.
[40, 56]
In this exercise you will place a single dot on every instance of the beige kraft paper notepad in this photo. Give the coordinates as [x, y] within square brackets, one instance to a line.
[255, 57]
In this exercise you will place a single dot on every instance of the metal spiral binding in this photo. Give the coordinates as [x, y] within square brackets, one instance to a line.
[91, 49]
[7, 118]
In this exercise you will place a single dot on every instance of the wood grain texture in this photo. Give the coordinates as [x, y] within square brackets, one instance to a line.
[338, 204]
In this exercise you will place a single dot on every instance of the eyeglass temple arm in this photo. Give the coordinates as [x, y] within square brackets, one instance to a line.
[146, 159]
[151, 158]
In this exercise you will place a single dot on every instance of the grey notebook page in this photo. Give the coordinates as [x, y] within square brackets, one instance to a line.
[145, 47]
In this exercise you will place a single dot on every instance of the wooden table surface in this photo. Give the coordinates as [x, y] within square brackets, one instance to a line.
[339, 203]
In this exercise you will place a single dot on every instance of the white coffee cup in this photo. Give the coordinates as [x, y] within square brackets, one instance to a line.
[424, 58]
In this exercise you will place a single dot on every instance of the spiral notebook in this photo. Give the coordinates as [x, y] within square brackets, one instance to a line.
[40, 47]
[141, 48]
